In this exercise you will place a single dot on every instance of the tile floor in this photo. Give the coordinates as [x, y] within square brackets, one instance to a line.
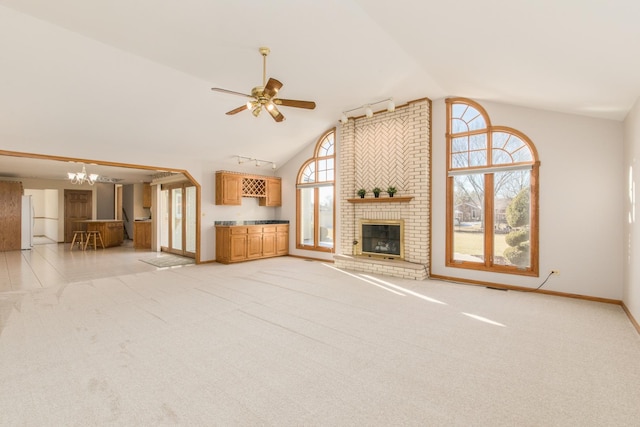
[53, 264]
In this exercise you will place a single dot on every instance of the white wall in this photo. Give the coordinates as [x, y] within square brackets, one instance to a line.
[631, 241]
[106, 194]
[580, 200]
[52, 212]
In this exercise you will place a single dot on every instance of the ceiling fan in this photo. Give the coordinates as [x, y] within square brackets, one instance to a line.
[264, 97]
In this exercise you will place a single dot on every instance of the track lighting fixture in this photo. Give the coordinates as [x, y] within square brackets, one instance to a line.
[368, 110]
[391, 106]
[257, 162]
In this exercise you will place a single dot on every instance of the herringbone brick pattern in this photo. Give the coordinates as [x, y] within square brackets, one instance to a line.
[381, 154]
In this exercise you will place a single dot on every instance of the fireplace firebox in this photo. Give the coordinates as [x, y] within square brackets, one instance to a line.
[381, 238]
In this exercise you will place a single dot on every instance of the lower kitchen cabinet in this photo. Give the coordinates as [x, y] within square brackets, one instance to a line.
[248, 242]
[142, 234]
[282, 240]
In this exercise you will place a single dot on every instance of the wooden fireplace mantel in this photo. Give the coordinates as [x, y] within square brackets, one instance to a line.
[397, 199]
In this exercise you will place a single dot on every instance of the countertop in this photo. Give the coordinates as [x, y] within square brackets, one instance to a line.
[250, 222]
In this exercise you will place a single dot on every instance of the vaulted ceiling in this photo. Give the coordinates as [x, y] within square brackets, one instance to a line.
[110, 78]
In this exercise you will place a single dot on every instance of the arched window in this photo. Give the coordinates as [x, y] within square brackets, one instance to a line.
[492, 193]
[315, 197]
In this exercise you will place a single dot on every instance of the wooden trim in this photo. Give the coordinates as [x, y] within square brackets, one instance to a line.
[400, 199]
[633, 321]
[523, 289]
[311, 258]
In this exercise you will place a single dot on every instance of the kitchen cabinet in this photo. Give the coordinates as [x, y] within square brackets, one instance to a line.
[269, 241]
[10, 215]
[238, 243]
[282, 239]
[228, 188]
[273, 192]
[254, 242]
[111, 231]
[231, 187]
[142, 234]
[146, 195]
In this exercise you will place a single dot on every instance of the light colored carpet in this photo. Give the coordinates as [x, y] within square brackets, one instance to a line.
[166, 260]
[286, 342]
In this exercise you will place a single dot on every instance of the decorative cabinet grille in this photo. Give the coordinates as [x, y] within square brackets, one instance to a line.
[254, 187]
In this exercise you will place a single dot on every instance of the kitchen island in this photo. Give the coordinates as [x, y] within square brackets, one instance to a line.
[111, 230]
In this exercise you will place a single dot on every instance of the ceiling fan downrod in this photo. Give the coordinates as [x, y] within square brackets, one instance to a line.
[264, 51]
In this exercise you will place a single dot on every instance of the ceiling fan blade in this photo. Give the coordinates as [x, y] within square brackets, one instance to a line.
[275, 113]
[272, 87]
[310, 105]
[237, 110]
[218, 89]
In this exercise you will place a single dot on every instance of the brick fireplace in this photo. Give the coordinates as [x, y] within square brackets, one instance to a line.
[388, 149]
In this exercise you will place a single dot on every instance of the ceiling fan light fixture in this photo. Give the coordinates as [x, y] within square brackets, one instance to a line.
[265, 95]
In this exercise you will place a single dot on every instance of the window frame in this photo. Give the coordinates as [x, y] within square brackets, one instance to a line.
[488, 171]
[317, 159]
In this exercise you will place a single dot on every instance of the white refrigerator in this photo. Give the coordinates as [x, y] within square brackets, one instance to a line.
[27, 222]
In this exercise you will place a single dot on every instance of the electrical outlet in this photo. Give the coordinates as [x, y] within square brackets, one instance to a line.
[556, 272]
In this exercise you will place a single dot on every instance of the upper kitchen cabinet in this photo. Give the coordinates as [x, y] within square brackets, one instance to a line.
[146, 195]
[228, 188]
[273, 192]
[232, 186]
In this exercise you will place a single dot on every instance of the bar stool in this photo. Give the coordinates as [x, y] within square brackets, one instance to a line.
[78, 238]
[95, 235]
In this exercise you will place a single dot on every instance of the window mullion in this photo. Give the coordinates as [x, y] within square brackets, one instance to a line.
[488, 219]
[316, 218]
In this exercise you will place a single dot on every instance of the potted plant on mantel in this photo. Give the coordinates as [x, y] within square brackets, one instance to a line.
[376, 192]
[362, 192]
[391, 191]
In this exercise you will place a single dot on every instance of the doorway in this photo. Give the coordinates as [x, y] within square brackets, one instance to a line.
[178, 223]
[77, 207]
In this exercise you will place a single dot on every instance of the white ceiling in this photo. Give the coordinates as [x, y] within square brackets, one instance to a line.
[103, 79]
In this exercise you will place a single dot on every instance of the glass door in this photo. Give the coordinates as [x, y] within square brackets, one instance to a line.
[178, 208]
